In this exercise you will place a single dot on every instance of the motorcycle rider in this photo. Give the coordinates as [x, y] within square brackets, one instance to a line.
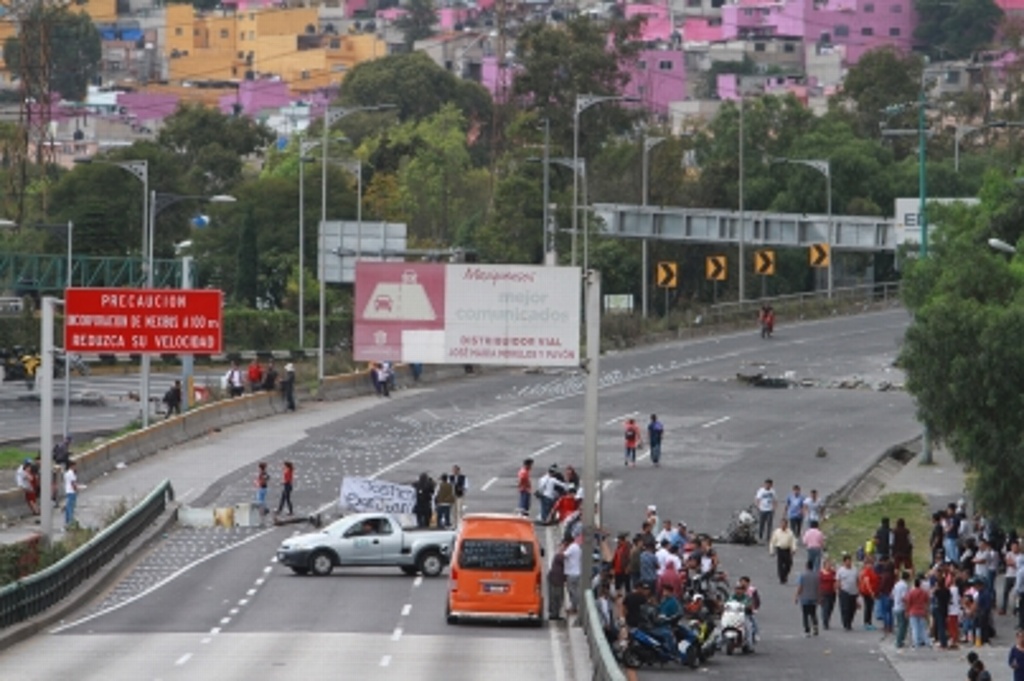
[669, 613]
[740, 595]
[755, 605]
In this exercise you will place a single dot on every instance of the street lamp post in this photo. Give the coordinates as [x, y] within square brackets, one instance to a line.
[963, 131]
[649, 143]
[304, 146]
[139, 169]
[823, 166]
[159, 202]
[331, 116]
[584, 102]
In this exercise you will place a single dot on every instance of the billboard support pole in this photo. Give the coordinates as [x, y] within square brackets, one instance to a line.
[44, 379]
[592, 282]
[188, 359]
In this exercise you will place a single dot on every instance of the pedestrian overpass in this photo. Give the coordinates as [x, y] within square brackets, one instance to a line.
[35, 274]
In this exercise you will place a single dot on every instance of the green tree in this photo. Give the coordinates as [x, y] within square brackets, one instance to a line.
[882, 78]
[557, 62]
[74, 49]
[416, 86]
[213, 146]
[956, 28]
[247, 286]
[963, 353]
[418, 22]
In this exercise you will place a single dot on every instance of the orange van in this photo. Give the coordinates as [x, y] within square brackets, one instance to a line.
[496, 570]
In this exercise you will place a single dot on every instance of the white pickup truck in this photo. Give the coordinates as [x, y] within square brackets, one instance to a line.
[368, 539]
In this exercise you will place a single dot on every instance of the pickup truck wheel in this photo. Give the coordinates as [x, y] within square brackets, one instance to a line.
[430, 563]
[409, 570]
[321, 564]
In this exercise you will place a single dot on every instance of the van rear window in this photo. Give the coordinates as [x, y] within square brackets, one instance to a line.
[491, 554]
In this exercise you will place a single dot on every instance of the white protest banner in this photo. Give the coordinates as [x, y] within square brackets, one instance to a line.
[363, 494]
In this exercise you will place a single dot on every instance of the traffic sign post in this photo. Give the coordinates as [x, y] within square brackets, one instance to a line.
[668, 275]
[143, 321]
[820, 255]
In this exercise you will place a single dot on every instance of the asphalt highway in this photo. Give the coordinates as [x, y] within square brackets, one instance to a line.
[213, 604]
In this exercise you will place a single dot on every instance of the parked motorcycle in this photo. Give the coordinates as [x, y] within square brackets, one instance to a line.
[702, 622]
[734, 628]
[641, 648]
[743, 527]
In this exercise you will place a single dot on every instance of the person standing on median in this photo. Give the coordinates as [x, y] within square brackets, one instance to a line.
[233, 381]
[70, 493]
[288, 386]
[655, 430]
[573, 571]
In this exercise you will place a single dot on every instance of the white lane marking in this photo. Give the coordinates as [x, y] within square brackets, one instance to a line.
[215, 631]
[605, 484]
[643, 456]
[417, 581]
[545, 449]
[233, 611]
[431, 414]
[712, 424]
[183, 659]
[269, 568]
[385, 661]
[225, 621]
[406, 609]
[243, 601]
[620, 419]
[396, 634]
[250, 592]
[163, 582]
[488, 484]
[206, 640]
[259, 582]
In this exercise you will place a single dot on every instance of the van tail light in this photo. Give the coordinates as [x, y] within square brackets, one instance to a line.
[453, 581]
[539, 587]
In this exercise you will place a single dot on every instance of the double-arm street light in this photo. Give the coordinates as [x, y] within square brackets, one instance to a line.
[823, 166]
[649, 143]
[963, 131]
[159, 202]
[584, 102]
[331, 116]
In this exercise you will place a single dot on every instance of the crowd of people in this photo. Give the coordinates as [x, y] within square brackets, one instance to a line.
[28, 479]
[256, 378]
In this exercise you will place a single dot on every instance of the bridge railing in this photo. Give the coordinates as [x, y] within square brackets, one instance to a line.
[806, 305]
[32, 595]
[37, 274]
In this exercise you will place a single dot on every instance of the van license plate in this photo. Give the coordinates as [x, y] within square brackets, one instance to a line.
[492, 588]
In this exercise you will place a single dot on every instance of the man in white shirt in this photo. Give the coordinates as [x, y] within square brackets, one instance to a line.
[765, 502]
[662, 554]
[573, 566]
[550, 488]
[70, 493]
[665, 533]
[812, 507]
[23, 479]
[233, 381]
[899, 607]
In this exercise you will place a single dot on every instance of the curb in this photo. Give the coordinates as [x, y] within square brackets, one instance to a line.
[98, 583]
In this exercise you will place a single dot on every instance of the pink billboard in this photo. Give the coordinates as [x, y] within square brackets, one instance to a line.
[512, 315]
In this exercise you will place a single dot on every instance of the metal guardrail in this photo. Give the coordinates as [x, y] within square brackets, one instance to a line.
[606, 667]
[34, 594]
[800, 305]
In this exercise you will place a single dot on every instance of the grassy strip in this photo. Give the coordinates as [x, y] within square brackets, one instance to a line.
[11, 457]
[847, 531]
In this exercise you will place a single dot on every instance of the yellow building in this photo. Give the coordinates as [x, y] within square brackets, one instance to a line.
[260, 43]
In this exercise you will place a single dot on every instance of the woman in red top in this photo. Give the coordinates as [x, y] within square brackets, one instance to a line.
[868, 581]
[827, 589]
[286, 488]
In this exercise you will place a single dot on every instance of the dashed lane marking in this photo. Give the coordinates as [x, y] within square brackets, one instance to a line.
[487, 485]
[406, 609]
[385, 661]
[183, 659]
[712, 424]
[545, 449]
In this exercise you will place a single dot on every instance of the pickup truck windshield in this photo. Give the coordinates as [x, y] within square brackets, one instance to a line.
[491, 554]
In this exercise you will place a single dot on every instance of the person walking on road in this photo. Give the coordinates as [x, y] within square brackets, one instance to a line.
[262, 483]
[808, 595]
[460, 485]
[899, 607]
[172, 398]
[525, 487]
[917, 611]
[556, 586]
[443, 501]
[70, 493]
[782, 545]
[424, 500]
[827, 580]
[868, 582]
[550, 488]
[632, 435]
[848, 583]
[233, 381]
[24, 480]
[655, 430]
[765, 502]
[287, 483]
[814, 542]
[1016, 659]
[573, 572]
[288, 386]
[795, 510]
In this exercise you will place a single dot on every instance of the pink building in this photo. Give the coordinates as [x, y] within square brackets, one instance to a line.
[658, 25]
[496, 78]
[147, 108]
[858, 25]
[256, 96]
[702, 30]
[658, 78]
